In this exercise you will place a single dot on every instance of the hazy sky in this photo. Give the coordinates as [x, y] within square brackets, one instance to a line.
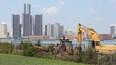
[97, 14]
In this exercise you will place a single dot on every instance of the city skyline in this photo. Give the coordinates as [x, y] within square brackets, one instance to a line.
[30, 25]
[98, 15]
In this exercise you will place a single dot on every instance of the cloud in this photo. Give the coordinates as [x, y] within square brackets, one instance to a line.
[53, 10]
[92, 11]
[61, 2]
[50, 10]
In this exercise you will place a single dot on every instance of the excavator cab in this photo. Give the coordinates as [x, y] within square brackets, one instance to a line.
[93, 43]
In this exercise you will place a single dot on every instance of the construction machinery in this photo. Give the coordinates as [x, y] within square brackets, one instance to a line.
[95, 40]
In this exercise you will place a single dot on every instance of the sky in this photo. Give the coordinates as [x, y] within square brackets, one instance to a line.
[97, 14]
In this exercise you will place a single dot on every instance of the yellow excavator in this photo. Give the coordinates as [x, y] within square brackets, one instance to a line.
[94, 39]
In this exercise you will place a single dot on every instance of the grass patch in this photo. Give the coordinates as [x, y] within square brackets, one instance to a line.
[7, 59]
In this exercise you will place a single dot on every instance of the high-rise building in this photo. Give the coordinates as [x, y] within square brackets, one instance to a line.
[16, 26]
[112, 29]
[38, 25]
[56, 31]
[52, 30]
[45, 30]
[48, 30]
[3, 30]
[61, 29]
[27, 9]
[27, 20]
[27, 25]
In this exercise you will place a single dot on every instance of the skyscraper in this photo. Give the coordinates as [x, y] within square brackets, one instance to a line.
[38, 25]
[56, 30]
[16, 26]
[45, 30]
[112, 29]
[52, 30]
[48, 30]
[27, 9]
[27, 20]
[61, 30]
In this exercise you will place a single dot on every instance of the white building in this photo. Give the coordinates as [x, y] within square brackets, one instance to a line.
[49, 29]
[3, 30]
[56, 30]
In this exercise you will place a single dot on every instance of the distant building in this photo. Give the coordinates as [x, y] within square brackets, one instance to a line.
[38, 25]
[27, 9]
[3, 30]
[33, 37]
[45, 30]
[48, 30]
[16, 26]
[10, 31]
[27, 25]
[52, 30]
[69, 33]
[105, 36]
[27, 20]
[61, 30]
[56, 31]
[113, 30]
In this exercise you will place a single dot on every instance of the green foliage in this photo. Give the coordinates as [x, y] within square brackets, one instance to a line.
[50, 47]
[6, 47]
[107, 59]
[86, 56]
[28, 49]
[25, 45]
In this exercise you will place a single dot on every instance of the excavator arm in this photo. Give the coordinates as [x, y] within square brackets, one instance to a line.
[88, 31]
[95, 38]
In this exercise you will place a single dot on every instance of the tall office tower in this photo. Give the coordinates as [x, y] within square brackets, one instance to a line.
[45, 30]
[16, 26]
[27, 9]
[38, 25]
[27, 20]
[112, 29]
[48, 30]
[52, 30]
[61, 30]
[56, 30]
[3, 30]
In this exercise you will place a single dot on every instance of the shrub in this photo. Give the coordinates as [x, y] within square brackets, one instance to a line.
[6, 47]
[30, 51]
